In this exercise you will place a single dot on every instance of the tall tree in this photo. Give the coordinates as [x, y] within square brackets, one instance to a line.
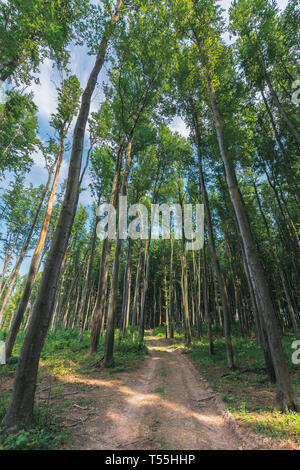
[20, 411]
[68, 100]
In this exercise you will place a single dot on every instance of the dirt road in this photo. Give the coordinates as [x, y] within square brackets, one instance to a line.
[165, 404]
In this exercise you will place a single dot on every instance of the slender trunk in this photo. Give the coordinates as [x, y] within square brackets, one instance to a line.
[154, 307]
[216, 262]
[171, 303]
[18, 318]
[184, 279]
[259, 323]
[137, 284]
[58, 297]
[277, 260]
[288, 171]
[98, 320]
[110, 331]
[160, 310]
[128, 298]
[23, 251]
[294, 239]
[207, 316]
[8, 256]
[285, 394]
[166, 302]
[126, 295]
[280, 108]
[195, 297]
[145, 288]
[86, 289]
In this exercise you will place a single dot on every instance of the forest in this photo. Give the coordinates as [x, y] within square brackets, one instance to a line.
[182, 336]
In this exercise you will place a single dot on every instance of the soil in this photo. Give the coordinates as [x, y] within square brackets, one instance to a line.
[164, 404]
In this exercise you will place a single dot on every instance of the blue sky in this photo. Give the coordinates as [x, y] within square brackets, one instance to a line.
[45, 98]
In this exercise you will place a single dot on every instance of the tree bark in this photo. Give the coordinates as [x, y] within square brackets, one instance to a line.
[18, 318]
[110, 330]
[216, 262]
[285, 394]
[23, 251]
[98, 320]
[86, 290]
[277, 101]
[277, 260]
[20, 411]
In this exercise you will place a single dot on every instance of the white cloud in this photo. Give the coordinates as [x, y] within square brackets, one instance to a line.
[179, 126]
[45, 95]
[86, 198]
[226, 4]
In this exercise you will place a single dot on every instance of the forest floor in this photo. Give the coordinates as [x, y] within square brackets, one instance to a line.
[160, 401]
[164, 403]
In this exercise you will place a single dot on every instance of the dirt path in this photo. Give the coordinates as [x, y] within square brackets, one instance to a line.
[165, 404]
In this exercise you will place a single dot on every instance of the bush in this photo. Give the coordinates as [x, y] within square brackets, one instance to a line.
[33, 439]
[42, 436]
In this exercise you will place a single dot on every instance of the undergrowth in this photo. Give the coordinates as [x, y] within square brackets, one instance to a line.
[245, 391]
[43, 435]
[62, 355]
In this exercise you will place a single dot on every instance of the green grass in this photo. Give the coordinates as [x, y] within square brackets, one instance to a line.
[247, 353]
[227, 398]
[62, 355]
[43, 435]
[160, 332]
[128, 355]
[271, 424]
[247, 384]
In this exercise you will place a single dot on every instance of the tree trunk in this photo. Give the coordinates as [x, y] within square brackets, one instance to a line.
[137, 285]
[126, 296]
[20, 411]
[98, 320]
[23, 251]
[285, 394]
[86, 289]
[207, 316]
[277, 102]
[18, 318]
[110, 330]
[216, 262]
[287, 170]
[184, 279]
[277, 260]
[171, 302]
[145, 287]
